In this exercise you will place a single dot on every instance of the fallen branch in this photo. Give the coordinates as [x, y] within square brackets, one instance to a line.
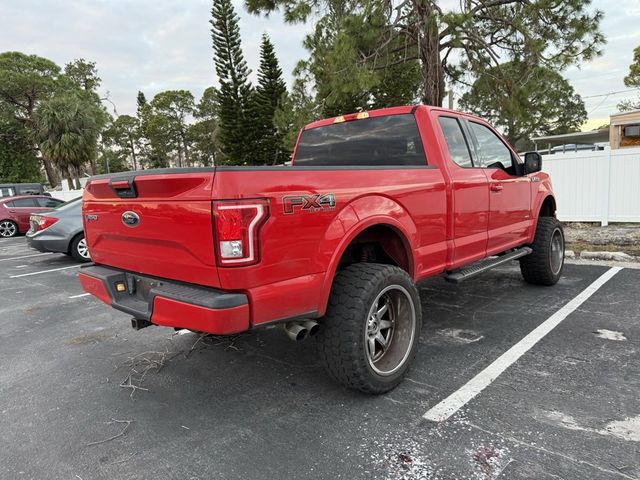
[124, 430]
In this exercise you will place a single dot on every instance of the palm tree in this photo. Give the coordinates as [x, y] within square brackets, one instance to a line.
[67, 131]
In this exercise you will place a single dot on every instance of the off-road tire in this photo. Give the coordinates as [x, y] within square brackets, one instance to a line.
[342, 341]
[537, 267]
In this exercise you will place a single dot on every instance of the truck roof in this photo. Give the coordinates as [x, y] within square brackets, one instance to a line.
[380, 112]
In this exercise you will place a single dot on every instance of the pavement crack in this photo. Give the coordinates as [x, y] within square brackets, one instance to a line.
[555, 454]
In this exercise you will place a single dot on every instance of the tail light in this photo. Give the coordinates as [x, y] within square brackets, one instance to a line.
[237, 226]
[40, 222]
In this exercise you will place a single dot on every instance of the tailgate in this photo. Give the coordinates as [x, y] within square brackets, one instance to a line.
[156, 223]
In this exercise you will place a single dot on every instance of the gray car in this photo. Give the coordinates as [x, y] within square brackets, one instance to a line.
[60, 230]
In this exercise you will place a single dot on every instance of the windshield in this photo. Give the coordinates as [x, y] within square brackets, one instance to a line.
[378, 141]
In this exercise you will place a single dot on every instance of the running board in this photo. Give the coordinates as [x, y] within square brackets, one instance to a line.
[482, 266]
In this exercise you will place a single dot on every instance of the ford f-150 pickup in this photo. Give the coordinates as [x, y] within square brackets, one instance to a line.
[332, 244]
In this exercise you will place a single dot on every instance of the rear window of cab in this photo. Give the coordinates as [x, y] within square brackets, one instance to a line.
[391, 140]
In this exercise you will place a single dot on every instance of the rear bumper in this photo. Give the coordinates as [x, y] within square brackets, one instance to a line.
[48, 244]
[168, 303]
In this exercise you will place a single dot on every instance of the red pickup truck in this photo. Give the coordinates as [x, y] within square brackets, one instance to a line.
[333, 244]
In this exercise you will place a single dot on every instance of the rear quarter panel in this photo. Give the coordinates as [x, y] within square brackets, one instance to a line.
[300, 251]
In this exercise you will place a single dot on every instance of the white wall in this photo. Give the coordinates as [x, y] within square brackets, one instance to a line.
[602, 186]
[66, 195]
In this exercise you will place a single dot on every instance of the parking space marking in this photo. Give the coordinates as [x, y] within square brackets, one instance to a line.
[43, 271]
[81, 295]
[24, 256]
[454, 402]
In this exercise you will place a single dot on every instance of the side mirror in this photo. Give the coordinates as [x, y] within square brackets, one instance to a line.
[532, 162]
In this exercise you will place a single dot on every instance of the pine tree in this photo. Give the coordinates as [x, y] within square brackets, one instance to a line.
[267, 98]
[141, 101]
[235, 89]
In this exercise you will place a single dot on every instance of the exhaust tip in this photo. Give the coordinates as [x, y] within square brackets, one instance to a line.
[295, 331]
[312, 327]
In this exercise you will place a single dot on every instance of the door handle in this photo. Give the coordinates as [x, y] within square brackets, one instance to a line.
[496, 187]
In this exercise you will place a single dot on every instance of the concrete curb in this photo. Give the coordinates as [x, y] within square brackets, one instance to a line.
[609, 256]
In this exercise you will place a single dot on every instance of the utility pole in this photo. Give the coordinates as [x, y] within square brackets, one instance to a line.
[450, 92]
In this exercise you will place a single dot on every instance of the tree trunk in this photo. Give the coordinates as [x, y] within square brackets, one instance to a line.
[93, 165]
[428, 40]
[52, 175]
[179, 156]
[77, 178]
[186, 151]
[133, 153]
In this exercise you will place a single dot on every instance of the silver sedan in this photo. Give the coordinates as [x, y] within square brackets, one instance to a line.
[60, 230]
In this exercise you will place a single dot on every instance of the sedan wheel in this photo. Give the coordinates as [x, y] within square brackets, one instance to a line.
[79, 249]
[8, 229]
[82, 248]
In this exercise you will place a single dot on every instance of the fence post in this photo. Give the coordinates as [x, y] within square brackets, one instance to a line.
[604, 218]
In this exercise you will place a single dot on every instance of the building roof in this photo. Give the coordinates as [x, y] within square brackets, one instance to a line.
[595, 136]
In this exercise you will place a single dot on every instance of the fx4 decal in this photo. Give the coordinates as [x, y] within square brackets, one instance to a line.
[308, 203]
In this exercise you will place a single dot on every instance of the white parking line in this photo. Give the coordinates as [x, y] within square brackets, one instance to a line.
[81, 295]
[24, 256]
[43, 271]
[450, 405]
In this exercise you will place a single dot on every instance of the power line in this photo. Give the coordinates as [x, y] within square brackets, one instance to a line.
[628, 90]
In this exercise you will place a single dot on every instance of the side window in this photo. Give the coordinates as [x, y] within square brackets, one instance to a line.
[7, 192]
[48, 202]
[28, 190]
[25, 203]
[8, 204]
[492, 151]
[457, 144]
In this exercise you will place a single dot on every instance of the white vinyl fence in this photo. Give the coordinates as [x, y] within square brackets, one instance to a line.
[602, 186]
[66, 195]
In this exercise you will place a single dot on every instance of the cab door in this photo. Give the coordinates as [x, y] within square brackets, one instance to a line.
[469, 194]
[509, 193]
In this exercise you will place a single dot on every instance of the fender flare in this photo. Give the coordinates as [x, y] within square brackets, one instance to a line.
[540, 199]
[403, 226]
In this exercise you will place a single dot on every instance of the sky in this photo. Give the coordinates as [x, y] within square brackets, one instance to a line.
[155, 45]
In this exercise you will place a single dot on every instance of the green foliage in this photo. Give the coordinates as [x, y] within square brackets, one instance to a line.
[525, 101]
[167, 123]
[296, 110]
[18, 162]
[25, 80]
[111, 161]
[632, 80]
[83, 75]
[268, 95]
[67, 128]
[125, 134]
[343, 82]
[450, 41]
[235, 91]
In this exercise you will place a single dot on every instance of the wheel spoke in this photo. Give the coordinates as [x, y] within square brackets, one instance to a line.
[383, 309]
[372, 347]
[384, 324]
[381, 340]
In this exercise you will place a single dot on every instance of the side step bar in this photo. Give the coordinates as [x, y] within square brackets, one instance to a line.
[457, 276]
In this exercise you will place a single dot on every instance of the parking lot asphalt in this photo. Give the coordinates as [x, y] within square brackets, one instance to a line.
[82, 395]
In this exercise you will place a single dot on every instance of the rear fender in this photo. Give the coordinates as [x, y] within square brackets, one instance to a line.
[352, 220]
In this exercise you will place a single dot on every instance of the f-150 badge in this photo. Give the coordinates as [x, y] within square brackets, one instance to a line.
[308, 203]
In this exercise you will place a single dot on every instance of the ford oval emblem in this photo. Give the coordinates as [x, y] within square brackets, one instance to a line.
[130, 219]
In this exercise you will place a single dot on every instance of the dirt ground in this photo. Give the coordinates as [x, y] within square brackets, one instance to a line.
[619, 237]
